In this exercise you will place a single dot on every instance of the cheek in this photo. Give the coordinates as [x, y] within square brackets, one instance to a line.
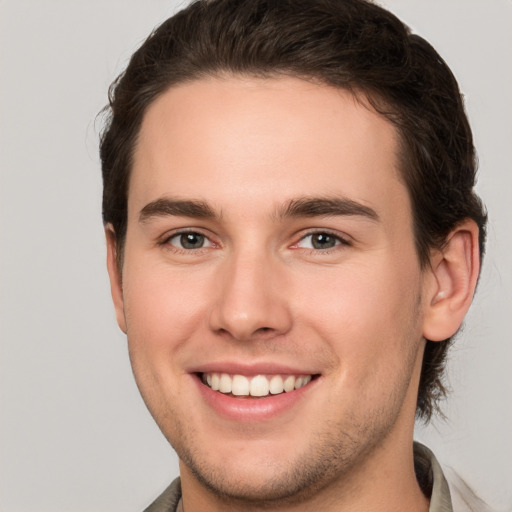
[163, 313]
[368, 313]
[163, 310]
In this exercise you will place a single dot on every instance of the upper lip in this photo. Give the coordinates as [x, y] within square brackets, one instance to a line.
[251, 369]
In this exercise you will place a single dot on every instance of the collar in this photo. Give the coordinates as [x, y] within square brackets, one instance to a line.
[431, 479]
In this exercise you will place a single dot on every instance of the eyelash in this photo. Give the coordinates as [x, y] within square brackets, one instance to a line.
[339, 241]
[166, 241]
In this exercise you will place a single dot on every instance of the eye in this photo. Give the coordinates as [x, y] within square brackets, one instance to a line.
[319, 241]
[189, 240]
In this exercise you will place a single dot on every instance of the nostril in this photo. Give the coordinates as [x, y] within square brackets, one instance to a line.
[264, 331]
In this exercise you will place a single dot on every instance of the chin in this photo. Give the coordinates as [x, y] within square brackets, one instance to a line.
[262, 484]
[267, 475]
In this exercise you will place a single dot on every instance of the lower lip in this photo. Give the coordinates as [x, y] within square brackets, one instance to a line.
[252, 409]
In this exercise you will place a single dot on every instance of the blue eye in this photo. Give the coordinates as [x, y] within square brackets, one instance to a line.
[319, 241]
[190, 240]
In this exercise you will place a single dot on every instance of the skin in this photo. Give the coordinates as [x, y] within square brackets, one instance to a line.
[259, 292]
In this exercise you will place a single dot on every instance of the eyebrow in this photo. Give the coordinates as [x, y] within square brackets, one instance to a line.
[164, 207]
[325, 207]
[300, 207]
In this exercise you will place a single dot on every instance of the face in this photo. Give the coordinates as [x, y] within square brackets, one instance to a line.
[271, 292]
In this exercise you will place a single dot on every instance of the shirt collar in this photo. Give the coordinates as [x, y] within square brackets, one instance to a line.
[434, 483]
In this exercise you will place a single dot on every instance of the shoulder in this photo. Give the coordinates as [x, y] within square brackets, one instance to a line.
[447, 490]
[463, 497]
[168, 500]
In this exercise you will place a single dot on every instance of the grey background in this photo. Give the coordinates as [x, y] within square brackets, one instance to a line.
[74, 434]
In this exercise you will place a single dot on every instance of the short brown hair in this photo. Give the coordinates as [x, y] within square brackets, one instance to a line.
[351, 44]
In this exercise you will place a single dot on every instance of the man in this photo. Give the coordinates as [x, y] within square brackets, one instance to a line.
[293, 238]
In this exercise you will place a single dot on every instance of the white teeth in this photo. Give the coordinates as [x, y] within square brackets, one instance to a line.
[276, 385]
[225, 383]
[302, 381]
[289, 383]
[258, 386]
[215, 385]
[240, 385]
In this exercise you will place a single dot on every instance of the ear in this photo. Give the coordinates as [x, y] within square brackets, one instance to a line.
[454, 269]
[114, 273]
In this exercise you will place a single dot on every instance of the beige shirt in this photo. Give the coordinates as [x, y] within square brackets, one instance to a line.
[430, 476]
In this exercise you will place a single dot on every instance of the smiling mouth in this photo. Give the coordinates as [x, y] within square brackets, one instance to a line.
[258, 386]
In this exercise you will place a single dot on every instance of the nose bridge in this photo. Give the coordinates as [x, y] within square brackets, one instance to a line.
[250, 300]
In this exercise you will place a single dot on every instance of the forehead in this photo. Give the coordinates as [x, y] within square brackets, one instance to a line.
[266, 140]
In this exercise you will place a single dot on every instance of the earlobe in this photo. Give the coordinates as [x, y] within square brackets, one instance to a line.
[454, 270]
[114, 273]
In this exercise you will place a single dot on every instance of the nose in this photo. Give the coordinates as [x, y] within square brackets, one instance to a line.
[251, 299]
